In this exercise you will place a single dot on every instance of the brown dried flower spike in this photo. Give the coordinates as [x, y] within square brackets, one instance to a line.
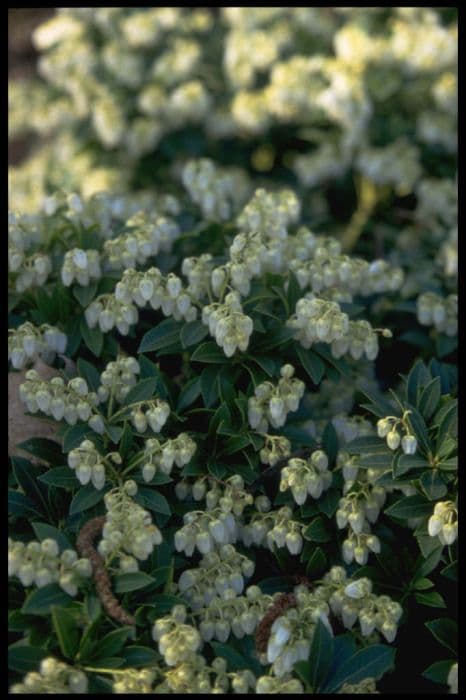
[85, 547]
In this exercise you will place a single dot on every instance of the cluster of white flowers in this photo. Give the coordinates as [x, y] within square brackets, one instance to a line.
[82, 266]
[194, 676]
[388, 428]
[230, 613]
[285, 685]
[306, 476]
[291, 632]
[71, 401]
[31, 271]
[270, 213]
[319, 320]
[354, 601]
[53, 677]
[321, 267]
[227, 323]
[160, 291]
[440, 312]
[443, 523]
[40, 563]
[163, 456]
[117, 378]
[134, 681]
[348, 428]
[276, 448]
[447, 256]
[27, 343]
[274, 529]
[177, 641]
[271, 404]
[356, 510]
[153, 413]
[129, 533]
[217, 572]
[89, 464]
[219, 192]
[146, 237]
[218, 524]
[198, 271]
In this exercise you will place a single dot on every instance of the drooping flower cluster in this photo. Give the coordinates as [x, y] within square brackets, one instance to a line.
[71, 401]
[129, 533]
[227, 323]
[53, 677]
[41, 563]
[306, 477]
[218, 192]
[82, 266]
[117, 378]
[217, 572]
[274, 529]
[443, 523]
[388, 428]
[89, 464]
[318, 320]
[177, 641]
[163, 456]
[27, 343]
[276, 448]
[440, 312]
[218, 524]
[271, 404]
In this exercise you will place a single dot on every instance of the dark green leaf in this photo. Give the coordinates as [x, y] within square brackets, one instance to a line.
[209, 353]
[312, 363]
[132, 581]
[44, 531]
[93, 337]
[423, 584]
[189, 394]
[142, 391]
[61, 477]
[330, 442]
[433, 485]
[66, 630]
[379, 405]
[85, 498]
[372, 662]
[89, 373]
[320, 655]
[126, 440]
[405, 463]
[266, 363]
[410, 507]
[164, 334]
[429, 398]
[40, 601]
[234, 444]
[153, 500]
[451, 571]
[46, 450]
[139, 657]
[445, 631]
[25, 658]
[84, 294]
[114, 432]
[432, 599]
[438, 671]
[317, 531]
[430, 562]
[26, 475]
[448, 424]
[209, 386]
[418, 375]
[419, 429]
[192, 333]
[328, 503]
[235, 660]
[317, 563]
[113, 642]
[21, 505]
[75, 434]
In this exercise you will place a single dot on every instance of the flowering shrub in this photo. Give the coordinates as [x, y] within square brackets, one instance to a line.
[237, 249]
